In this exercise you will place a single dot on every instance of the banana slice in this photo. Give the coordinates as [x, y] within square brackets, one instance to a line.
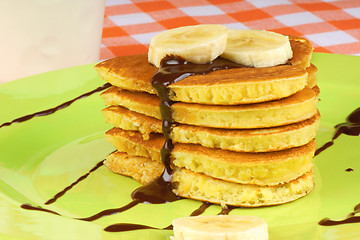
[257, 48]
[197, 44]
[229, 227]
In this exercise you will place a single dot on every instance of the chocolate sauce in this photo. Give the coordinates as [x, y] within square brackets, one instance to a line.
[201, 209]
[158, 191]
[351, 218]
[61, 193]
[124, 227]
[30, 207]
[226, 210]
[351, 127]
[94, 217]
[54, 109]
[108, 212]
[172, 70]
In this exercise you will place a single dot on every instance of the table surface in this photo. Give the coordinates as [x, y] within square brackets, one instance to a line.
[332, 26]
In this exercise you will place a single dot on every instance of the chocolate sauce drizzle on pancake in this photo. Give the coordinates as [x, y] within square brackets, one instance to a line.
[351, 127]
[172, 70]
[55, 109]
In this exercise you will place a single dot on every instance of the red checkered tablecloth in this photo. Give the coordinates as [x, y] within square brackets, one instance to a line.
[332, 26]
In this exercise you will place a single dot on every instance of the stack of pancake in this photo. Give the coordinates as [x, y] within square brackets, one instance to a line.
[242, 137]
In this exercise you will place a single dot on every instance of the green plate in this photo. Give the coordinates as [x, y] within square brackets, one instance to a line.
[40, 157]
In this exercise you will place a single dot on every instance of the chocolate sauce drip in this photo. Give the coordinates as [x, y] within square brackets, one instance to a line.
[94, 217]
[124, 227]
[226, 210]
[351, 127]
[201, 209]
[158, 191]
[108, 212]
[356, 210]
[61, 193]
[349, 170]
[351, 218]
[54, 109]
[172, 70]
[329, 222]
[33, 208]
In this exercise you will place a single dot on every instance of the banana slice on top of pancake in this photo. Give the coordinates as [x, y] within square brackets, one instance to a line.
[197, 44]
[257, 48]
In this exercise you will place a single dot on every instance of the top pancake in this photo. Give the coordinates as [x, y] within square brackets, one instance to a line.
[222, 87]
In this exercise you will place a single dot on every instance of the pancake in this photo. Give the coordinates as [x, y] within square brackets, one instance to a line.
[198, 186]
[269, 168]
[241, 140]
[312, 72]
[263, 169]
[141, 169]
[302, 51]
[298, 107]
[223, 87]
[204, 188]
[242, 136]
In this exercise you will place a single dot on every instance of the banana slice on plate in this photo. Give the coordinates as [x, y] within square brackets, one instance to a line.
[197, 44]
[229, 227]
[257, 48]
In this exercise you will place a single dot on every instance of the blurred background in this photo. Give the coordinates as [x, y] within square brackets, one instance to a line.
[332, 26]
[43, 35]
